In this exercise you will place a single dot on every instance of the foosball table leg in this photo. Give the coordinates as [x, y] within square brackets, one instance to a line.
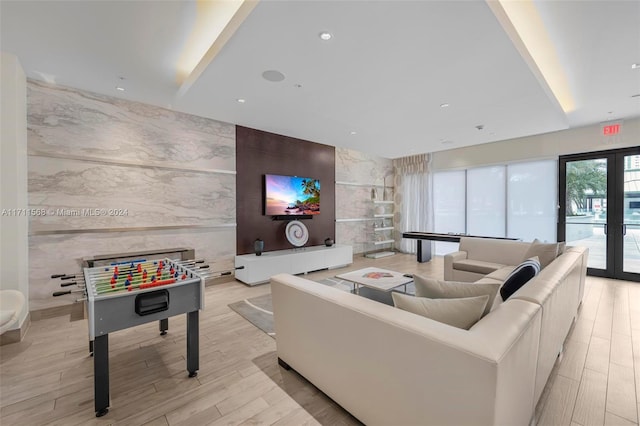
[193, 343]
[101, 374]
[164, 326]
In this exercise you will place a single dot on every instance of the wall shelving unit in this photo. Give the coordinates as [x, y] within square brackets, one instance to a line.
[379, 238]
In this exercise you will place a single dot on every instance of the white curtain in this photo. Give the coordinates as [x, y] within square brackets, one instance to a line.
[414, 185]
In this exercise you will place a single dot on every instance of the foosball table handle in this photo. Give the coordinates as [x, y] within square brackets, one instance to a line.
[68, 284]
[57, 276]
[61, 293]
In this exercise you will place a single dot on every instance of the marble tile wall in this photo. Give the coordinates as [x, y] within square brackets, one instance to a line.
[70, 123]
[361, 167]
[99, 164]
[356, 174]
[78, 194]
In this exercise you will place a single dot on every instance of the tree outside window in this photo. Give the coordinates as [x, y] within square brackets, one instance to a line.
[585, 179]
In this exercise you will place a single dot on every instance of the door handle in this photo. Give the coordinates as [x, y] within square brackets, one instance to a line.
[605, 229]
[624, 229]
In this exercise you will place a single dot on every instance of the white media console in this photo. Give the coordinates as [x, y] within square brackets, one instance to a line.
[258, 269]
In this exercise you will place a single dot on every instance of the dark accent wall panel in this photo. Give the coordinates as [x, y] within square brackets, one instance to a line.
[259, 153]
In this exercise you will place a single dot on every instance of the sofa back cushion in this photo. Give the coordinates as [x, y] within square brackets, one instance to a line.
[438, 289]
[546, 252]
[461, 313]
[503, 252]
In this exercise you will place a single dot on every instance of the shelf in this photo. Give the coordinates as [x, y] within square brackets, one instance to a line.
[383, 242]
[381, 248]
[380, 254]
[368, 185]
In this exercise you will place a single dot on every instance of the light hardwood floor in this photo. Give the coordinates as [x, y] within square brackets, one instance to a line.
[48, 377]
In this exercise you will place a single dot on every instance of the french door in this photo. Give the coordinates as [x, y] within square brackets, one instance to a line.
[599, 208]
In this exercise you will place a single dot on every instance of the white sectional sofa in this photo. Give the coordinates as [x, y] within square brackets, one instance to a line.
[391, 367]
[478, 257]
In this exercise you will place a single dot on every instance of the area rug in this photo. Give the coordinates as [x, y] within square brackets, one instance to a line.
[259, 310]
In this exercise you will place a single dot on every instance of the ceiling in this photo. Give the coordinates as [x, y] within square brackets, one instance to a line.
[377, 86]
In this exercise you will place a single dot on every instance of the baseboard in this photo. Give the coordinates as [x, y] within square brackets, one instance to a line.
[15, 336]
[55, 311]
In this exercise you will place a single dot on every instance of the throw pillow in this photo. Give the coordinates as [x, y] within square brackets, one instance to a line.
[437, 289]
[562, 246]
[546, 252]
[519, 277]
[461, 313]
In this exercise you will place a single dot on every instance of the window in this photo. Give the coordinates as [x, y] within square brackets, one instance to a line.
[486, 195]
[449, 199]
[517, 200]
[532, 200]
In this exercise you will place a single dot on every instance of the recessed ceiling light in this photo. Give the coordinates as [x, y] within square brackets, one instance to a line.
[444, 105]
[273, 75]
[325, 35]
[353, 132]
[240, 100]
[635, 66]
[120, 88]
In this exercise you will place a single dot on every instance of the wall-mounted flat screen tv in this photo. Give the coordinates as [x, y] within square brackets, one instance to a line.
[291, 195]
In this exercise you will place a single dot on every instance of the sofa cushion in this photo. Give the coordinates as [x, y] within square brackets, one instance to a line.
[501, 274]
[438, 289]
[546, 252]
[519, 277]
[499, 277]
[506, 252]
[477, 266]
[462, 313]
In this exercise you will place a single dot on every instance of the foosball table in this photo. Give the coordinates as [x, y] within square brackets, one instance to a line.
[131, 293]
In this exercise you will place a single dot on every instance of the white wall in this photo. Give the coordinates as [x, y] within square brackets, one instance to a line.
[14, 252]
[550, 145]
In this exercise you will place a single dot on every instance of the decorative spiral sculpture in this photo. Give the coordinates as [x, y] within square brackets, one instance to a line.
[297, 233]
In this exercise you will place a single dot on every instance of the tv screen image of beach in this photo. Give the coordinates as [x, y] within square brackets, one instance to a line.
[291, 195]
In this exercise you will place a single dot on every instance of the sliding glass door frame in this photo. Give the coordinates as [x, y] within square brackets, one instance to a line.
[619, 225]
[614, 227]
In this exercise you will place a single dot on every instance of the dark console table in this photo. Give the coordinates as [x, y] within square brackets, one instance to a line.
[425, 238]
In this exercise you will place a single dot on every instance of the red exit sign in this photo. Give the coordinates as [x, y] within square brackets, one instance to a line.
[611, 129]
